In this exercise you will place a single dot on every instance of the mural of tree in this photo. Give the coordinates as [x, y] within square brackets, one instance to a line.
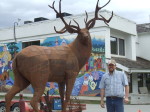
[13, 49]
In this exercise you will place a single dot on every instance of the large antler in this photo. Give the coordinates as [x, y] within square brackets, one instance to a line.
[91, 23]
[68, 27]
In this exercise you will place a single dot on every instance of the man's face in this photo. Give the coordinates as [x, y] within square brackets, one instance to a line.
[111, 67]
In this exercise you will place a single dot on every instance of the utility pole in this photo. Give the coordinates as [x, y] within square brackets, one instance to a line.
[15, 24]
[149, 21]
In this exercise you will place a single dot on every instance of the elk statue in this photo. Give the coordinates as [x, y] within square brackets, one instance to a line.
[37, 65]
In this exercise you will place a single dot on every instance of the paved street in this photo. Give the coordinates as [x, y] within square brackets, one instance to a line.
[128, 108]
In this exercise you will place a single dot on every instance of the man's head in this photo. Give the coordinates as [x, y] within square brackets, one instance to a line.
[111, 65]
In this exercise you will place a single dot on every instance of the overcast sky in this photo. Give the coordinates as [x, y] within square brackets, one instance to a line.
[10, 10]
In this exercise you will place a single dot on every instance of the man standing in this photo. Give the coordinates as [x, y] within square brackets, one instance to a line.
[112, 87]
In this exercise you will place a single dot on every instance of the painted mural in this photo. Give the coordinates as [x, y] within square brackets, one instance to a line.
[7, 52]
[87, 82]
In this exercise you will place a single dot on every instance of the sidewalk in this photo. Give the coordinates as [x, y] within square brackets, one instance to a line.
[128, 108]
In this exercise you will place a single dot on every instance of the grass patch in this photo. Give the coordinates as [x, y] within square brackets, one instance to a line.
[90, 101]
[85, 101]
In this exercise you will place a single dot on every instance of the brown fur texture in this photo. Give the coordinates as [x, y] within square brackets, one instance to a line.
[37, 65]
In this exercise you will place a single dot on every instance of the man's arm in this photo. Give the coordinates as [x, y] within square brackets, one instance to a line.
[126, 91]
[126, 99]
[126, 85]
[102, 93]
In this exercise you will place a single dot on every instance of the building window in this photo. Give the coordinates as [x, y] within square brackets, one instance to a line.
[114, 46]
[121, 47]
[117, 46]
[26, 44]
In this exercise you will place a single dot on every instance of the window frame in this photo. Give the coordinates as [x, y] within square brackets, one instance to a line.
[116, 45]
[30, 43]
[121, 53]
[118, 52]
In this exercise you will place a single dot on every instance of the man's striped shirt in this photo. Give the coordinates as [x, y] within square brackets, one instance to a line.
[114, 83]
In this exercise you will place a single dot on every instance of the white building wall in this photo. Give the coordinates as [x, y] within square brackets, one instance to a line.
[131, 47]
[107, 44]
[143, 45]
[124, 25]
[134, 83]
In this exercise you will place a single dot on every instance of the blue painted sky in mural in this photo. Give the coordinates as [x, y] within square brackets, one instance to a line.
[98, 42]
[54, 41]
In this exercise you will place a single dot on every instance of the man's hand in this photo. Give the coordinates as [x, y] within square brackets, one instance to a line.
[102, 104]
[126, 100]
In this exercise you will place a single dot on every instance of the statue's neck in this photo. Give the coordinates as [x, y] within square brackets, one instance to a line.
[82, 49]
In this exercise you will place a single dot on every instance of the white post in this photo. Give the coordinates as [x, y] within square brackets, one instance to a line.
[134, 83]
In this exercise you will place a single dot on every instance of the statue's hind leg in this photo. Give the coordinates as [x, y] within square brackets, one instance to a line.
[38, 85]
[19, 84]
[36, 97]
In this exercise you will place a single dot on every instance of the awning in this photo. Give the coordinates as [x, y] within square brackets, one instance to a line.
[139, 66]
